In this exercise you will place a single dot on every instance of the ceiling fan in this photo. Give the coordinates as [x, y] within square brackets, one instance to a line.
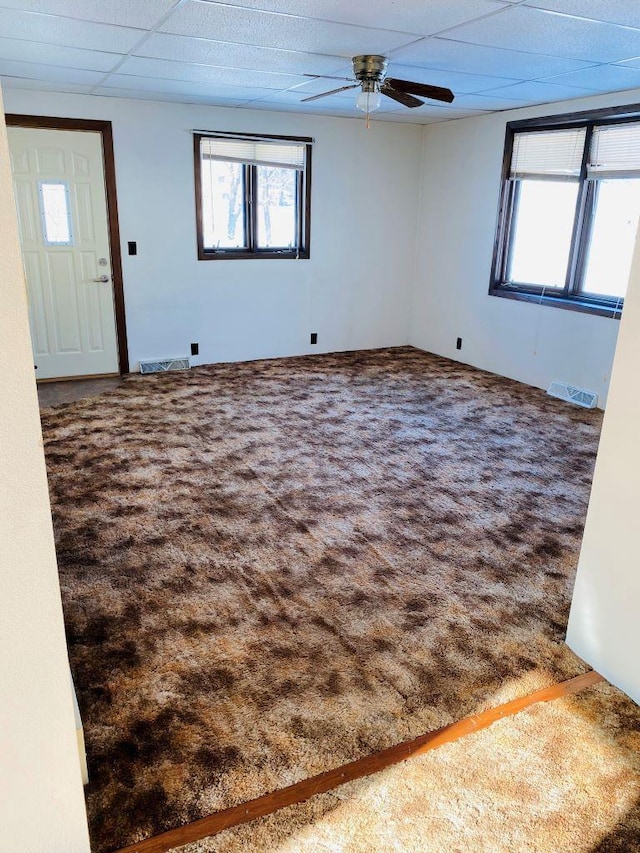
[369, 71]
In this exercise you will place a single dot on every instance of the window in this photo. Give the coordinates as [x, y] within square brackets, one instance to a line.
[55, 212]
[253, 196]
[569, 211]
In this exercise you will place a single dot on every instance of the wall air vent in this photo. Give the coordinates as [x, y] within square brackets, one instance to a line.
[578, 396]
[162, 364]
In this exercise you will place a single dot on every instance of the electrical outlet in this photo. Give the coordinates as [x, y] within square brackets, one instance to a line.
[133, 247]
[459, 343]
[195, 348]
[314, 337]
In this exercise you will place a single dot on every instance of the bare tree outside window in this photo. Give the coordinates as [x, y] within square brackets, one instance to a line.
[253, 196]
[276, 207]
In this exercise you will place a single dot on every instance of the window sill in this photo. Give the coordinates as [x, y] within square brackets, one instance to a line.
[234, 256]
[585, 307]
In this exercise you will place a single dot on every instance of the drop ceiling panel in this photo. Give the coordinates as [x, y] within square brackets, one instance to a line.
[278, 106]
[174, 97]
[43, 85]
[477, 59]
[127, 13]
[602, 78]
[538, 31]
[214, 75]
[49, 54]
[53, 73]
[489, 101]
[542, 93]
[410, 16]
[32, 26]
[631, 63]
[431, 114]
[176, 87]
[494, 54]
[266, 29]
[183, 49]
[626, 12]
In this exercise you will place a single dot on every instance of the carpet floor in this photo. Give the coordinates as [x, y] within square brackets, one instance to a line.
[560, 777]
[271, 568]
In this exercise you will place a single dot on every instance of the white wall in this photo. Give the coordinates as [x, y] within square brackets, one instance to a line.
[41, 799]
[604, 624]
[461, 173]
[354, 291]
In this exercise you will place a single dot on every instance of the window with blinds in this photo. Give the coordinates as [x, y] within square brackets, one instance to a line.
[569, 212]
[288, 155]
[252, 196]
[615, 151]
[550, 155]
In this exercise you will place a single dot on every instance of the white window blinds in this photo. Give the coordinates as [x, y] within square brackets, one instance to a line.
[548, 154]
[615, 151]
[258, 152]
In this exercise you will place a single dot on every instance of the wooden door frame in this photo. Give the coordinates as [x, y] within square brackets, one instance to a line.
[106, 133]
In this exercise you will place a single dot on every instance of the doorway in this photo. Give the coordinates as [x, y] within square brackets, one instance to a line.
[64, 185]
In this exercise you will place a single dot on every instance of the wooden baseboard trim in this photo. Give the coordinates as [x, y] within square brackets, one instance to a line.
[301, 791]
[82, 378]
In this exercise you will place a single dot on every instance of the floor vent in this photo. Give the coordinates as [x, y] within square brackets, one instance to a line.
[163, 364]
[579, 396]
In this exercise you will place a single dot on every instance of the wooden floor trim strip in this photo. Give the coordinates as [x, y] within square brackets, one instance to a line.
[324, 782]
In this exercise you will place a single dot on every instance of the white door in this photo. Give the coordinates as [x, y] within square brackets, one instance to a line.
[58, 179]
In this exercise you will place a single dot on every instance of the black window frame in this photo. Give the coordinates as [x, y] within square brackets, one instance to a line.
[572, 297]
[250, 205]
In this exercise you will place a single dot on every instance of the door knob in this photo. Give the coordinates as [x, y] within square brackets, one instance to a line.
[102, 278]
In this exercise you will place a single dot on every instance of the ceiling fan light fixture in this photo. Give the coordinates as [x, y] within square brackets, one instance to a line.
[368, 101]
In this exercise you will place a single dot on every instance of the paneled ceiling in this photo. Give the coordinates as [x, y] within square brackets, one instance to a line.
[254, 54]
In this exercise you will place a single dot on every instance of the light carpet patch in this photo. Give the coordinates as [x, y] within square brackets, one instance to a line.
[271, 568]
[560, 777]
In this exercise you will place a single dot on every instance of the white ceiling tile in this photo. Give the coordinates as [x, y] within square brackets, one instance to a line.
[429, 114]
[126, 13]
[538, 31]
[541, 93]
[493, 54]
[602, 78]
[458, 83]
[631, 63]
[49, 73]
[306, 109]
[207, 52]
[178, 98]
[267, 29]
[626, 12]
[409, 119]
[409, 16]
[489, 102]
[32, 26]
[477, 59]
[169, 70]
[49, 54]
[178, 87]
[40, 85]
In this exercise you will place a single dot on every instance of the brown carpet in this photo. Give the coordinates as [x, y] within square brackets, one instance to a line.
[271, 568]
[560, 777]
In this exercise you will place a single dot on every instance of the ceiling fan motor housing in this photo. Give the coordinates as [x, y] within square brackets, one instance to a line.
[369, 68]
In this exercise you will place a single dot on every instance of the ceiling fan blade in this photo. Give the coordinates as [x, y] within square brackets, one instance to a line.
[436, 93]
[327, 77]
[401, 97]
[332, 92]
